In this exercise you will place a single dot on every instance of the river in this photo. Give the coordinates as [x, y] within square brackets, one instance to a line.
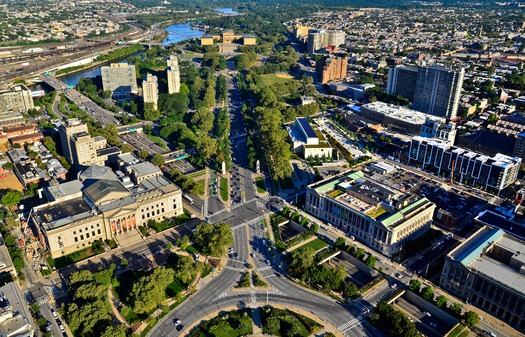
[176, 33]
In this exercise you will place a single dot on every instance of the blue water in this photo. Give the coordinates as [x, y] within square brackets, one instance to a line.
[226, 11]
[180, 32]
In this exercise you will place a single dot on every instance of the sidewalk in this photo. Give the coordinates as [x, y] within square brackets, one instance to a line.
[302, 243]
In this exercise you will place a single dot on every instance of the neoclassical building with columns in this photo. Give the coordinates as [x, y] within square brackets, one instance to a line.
[103, 205]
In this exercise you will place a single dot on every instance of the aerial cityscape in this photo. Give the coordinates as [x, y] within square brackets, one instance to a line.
[232, 168]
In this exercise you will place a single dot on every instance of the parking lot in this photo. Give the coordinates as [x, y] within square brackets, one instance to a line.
[141, 141]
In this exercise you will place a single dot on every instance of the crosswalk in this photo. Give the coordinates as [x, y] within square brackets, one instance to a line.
[234, 268]
[350, 324]
[42, 301]
[253, 296]
[238, 226]
[264, 268]
[222, 295]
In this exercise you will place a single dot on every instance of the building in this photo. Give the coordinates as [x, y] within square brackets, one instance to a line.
[488, 271]
[79, 147]
[408, 121]
[11, 118]
[300, 31]
[18, 98]
[463, 165]
[332, 68]
[438, 88]
[15, 318]
[101, 207]
[435, 127]
[228, 36]
[120, 79]
[402, 81]
[320, 38]
[378, 215]
[519, 147]
[150, 90]
[307, 140]
[22, 140]
[173, 74]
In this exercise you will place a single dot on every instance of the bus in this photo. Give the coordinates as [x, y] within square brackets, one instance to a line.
[188, 199]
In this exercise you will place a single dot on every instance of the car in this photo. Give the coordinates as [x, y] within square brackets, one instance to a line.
[55, 316]
[427, 313]
[177, 321]
[180, 327]
[434, 325]
[277, 274]
[268, 262]
[61, 326]
[394, 286]
[490, 333]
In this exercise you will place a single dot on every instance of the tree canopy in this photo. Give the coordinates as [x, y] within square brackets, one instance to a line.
[212, 239]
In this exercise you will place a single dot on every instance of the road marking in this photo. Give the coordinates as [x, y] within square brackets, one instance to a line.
[222, 295]
[350, 324]
[42, 301]
[276, 291]
[253, 297]
[264, 268]
[234, 268]
[238, 226]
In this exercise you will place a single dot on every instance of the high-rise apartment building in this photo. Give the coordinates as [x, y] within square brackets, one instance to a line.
[80, 148]
[320, 38]
[402, 81]
[120, 79]
[432, 89]
[173, 74]
[463, 165]
[150, 90]
[332, 68]
[17, 98]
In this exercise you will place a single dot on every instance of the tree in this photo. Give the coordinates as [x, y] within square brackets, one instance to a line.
[456, 309]
[441, 301]
[427, 293]
[150, 114]
[273, 323]
[157, 159]
[143, 154]
[8, 166]
[301, 261]
[359, 253]
[471, 319]
[414, 285]
[350, 289]
[314, 227]
[149, 290]
[370, 261]
[123, 263]
[184, 243]
[115, 331]
[202, 120]
[106, 94]
[11, 197]
[340, 242]
[212, 239]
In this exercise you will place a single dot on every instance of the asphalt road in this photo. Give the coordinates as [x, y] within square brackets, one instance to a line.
[101, 115]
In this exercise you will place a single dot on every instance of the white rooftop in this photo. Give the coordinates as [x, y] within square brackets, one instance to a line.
[401, 113]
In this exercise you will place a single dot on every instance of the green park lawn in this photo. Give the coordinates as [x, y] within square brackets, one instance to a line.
[269, 79]
[64, 261]
[224, 189]
[316, 244]
[199, 187]
[259, 182]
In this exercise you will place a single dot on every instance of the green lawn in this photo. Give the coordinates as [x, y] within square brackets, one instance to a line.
[199, 187]
[158, 141]
[64, 261]
[259, 182]
[197, 174]
[316, 244]
[224, 189]
[289, 321]
[269, 79]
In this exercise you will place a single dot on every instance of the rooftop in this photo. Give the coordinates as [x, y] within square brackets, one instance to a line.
[21, 324]
[306, 127]
[400, 113]
[55, 215]
[495, 255]
[144, 169]
[65, 189]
